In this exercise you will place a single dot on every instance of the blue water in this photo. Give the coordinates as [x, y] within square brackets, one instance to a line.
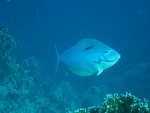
[122, 24]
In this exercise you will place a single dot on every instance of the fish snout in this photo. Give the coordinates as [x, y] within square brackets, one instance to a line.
[118, 56]
[112, 56]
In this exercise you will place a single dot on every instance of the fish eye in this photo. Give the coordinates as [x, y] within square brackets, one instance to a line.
[105, 51]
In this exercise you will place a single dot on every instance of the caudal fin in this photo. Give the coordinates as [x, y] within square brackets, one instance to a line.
[57, 64]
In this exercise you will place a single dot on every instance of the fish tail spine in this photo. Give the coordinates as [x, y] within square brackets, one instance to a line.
[57, 64]
[56, 51]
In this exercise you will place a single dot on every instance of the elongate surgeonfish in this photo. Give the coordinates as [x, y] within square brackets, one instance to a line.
[89, 57]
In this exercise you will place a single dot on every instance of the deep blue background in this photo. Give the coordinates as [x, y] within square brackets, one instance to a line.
[38, 24]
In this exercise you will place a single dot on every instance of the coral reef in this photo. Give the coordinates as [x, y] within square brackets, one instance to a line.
[21, 93]
[124, 104]
[16, 86]
[7, 60]
[118, 104]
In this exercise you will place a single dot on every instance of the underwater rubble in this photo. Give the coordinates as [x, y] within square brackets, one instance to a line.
[20, 93]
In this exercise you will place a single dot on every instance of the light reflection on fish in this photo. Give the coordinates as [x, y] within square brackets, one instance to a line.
[89, 57]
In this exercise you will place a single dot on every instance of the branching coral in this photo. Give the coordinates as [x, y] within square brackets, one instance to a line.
[124, 104]
[118, 104]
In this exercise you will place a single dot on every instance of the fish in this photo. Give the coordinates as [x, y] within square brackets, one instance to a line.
[88, 57]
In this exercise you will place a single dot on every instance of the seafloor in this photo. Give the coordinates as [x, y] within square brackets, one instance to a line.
[21, 93]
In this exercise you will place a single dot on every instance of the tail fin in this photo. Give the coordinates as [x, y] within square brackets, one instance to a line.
[57, 64]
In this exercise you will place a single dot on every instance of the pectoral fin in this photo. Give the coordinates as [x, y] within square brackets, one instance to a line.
[99, 72]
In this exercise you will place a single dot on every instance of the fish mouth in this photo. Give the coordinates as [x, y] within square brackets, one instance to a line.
[111, 61]
[104, 61]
